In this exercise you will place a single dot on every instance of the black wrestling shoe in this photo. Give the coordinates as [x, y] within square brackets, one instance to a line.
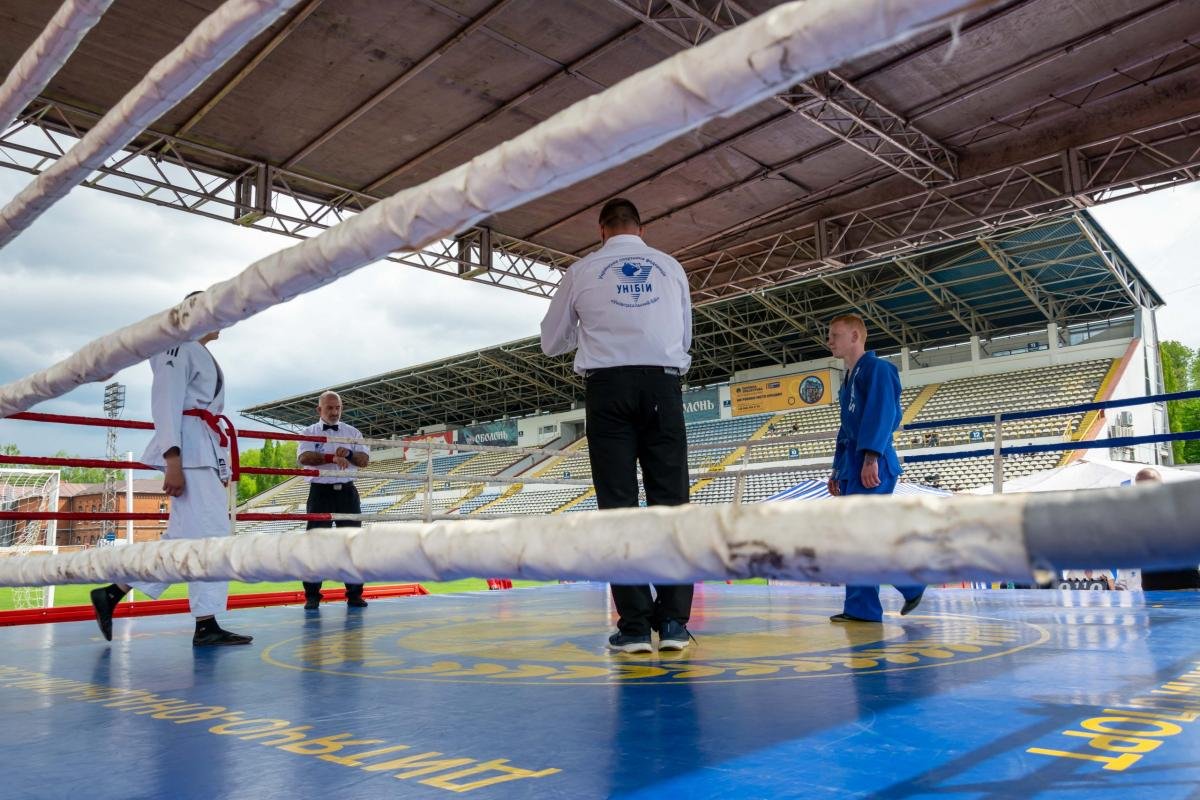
[911, 605]
[356, 602]
[104, 606]
[848, 618]
[218, 637]
[312, 603]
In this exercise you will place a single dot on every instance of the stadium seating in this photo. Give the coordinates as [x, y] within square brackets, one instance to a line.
[1029, 389]
[526, 503]
[961, 474]
[287, 494]
[1046, 387]
[489, 463]
[758, 487]
[479, 500]
[415, 506]
[574, 462]
[721, 430]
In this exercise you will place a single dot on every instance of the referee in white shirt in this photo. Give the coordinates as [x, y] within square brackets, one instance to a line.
[626, 310]
[332, 495]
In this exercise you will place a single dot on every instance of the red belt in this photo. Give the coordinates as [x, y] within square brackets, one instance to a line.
[227, 437]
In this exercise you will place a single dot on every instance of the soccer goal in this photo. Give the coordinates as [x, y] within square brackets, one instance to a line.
[27, 491]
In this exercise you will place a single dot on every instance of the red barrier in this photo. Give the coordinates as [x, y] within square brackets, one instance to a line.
[98, 422]
[100, 463]
[82, 515]
[281, 436]
[100, 516]
[145, 608]
[105, 422]
[52, 461]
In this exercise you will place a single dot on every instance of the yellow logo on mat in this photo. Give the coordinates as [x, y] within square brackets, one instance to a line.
[561, 647]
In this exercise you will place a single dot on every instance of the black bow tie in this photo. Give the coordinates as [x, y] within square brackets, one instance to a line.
[325, 426]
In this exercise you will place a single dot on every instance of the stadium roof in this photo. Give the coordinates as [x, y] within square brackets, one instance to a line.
[1039, 107]
[1063, 270]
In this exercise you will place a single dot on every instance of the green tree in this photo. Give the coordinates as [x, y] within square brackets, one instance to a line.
[68, 474]
[79, 474]
[280, 455]
[1181, 373]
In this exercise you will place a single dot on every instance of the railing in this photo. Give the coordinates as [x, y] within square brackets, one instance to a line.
[429, 480]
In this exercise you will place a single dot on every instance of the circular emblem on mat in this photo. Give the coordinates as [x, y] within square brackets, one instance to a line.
[734, 645]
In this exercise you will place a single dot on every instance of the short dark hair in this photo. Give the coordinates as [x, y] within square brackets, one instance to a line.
[1148, 475]
[618, 213]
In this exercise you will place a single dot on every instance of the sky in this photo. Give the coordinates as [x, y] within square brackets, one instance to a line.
[96, 262]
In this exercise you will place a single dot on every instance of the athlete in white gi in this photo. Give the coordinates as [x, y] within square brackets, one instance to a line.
[196, 471]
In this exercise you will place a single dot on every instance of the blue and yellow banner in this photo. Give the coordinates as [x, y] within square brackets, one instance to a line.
[785, 393]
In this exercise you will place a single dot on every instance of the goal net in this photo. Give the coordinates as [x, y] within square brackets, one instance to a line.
[26, 491]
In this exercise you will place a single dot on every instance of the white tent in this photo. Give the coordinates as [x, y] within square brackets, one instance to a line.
[1085, 474]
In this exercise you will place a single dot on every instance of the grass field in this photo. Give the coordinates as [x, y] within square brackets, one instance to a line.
[78, 595]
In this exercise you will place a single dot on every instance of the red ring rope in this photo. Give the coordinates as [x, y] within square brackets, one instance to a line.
[93, 516]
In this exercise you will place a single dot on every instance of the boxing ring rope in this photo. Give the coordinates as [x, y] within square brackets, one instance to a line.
[47, 54]
[205, 50]
[1076, 408]
[926, 541]
[427, 479]
[723, 76]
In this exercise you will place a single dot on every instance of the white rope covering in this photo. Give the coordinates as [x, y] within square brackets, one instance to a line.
[721, 77]
[47, 54]
[214, 41]
[864, 540]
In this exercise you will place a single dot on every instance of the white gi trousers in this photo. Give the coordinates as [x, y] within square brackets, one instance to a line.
[202, 511]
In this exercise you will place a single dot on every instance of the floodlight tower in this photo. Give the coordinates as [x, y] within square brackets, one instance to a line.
[114, 404]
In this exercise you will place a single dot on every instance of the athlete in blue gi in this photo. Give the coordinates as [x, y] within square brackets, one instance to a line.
[865, 461]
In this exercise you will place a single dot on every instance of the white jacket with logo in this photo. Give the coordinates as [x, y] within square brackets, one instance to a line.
[186, 377]
[626, 304]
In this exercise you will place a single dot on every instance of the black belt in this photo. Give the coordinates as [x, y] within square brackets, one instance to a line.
[643, 368]
[337, 487]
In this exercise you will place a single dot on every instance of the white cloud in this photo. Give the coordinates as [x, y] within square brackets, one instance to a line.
[1160, 233]
[96, 262]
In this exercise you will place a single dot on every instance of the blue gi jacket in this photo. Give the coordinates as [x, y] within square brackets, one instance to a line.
[870, 398]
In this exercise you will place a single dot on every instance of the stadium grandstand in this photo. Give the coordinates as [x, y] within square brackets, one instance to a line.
[930, 165]
[1038, 316]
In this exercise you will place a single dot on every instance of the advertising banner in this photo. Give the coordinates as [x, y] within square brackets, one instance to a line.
[785, 393]
[701, 404]
[502, 433]
[418, 453]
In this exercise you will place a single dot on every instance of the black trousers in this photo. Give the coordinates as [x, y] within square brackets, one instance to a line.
[635, 416]
[332, 498]
[1154, 580]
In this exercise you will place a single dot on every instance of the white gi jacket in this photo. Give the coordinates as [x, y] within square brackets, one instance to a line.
[186, 377]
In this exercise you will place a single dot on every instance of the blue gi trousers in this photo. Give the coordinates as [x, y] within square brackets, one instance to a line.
[862, 602]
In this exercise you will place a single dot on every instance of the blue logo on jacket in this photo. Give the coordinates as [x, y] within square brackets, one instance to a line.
[634, 287]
